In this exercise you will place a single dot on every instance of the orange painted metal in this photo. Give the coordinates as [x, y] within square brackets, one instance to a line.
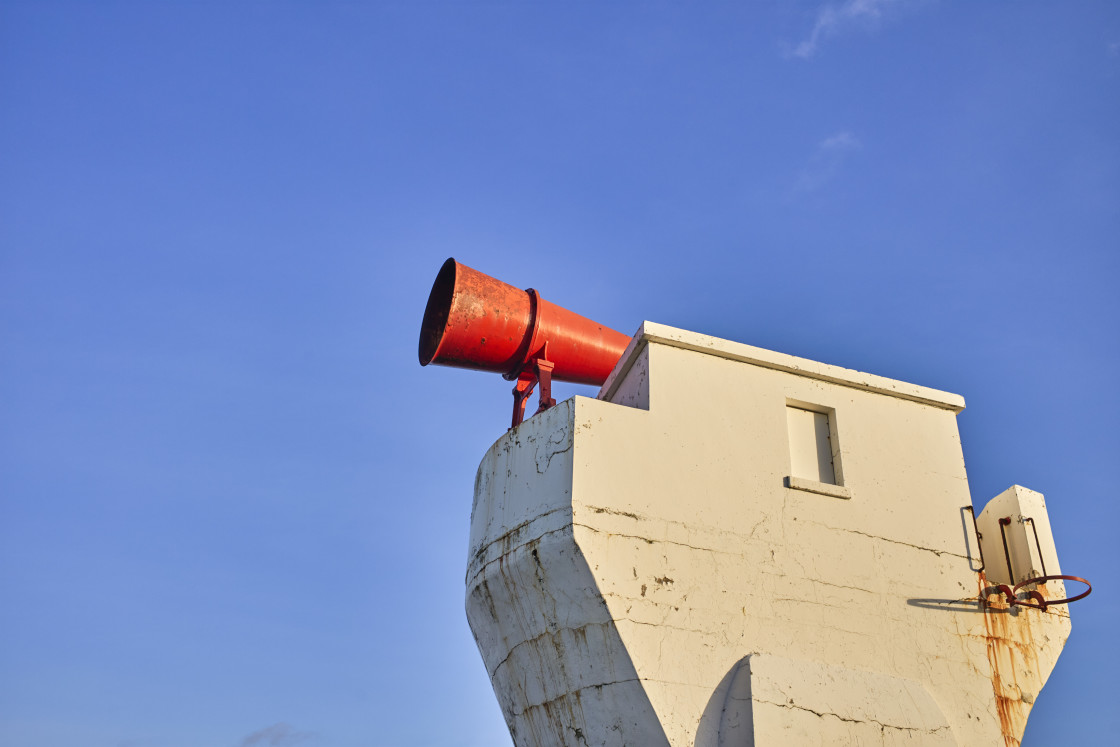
[475, 321]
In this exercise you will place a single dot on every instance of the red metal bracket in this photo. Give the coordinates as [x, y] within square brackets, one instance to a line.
[537, 371]
[521, 391]
[543, 369]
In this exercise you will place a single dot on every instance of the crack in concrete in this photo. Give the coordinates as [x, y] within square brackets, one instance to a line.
[650, 541]
[841, 586]
[551, 453]
[666, 625]
[755, 528]
[615, 512]
[936, 552]
[482, 550]
[542, 636]
[806, 601]
[725, 535]
[571, 693]
[880, 724]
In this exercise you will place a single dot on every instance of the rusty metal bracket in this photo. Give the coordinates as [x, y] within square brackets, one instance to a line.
[979, 537]
[1010, 593]
[1004, 522]
[1037, 544]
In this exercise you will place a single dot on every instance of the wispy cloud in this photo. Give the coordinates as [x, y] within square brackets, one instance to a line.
[826, 160]
[277, 735]
[834, 18]
[841, 141]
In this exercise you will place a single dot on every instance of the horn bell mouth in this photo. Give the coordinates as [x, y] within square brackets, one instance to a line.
[437, 311]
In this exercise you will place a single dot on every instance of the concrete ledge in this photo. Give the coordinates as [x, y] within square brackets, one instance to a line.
[661, 334]
[821, 488]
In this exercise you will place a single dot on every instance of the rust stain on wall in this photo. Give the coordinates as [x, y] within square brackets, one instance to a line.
[1013, 655]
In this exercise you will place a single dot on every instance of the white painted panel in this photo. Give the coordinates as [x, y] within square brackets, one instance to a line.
[810, 447]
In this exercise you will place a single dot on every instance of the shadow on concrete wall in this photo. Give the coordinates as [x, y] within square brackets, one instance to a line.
[728, 720]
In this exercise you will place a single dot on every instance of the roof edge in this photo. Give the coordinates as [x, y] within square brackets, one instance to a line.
[661, 334]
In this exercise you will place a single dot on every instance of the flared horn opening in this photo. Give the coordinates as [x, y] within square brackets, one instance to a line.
[437, 311]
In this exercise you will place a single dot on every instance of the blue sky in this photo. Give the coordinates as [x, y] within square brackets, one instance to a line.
[234, 509]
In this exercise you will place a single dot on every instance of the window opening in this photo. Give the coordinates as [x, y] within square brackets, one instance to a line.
[810, 445]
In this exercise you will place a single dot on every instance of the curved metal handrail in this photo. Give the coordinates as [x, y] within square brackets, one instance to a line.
[1011, 593]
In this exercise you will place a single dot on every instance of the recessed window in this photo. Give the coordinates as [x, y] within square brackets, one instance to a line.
[810, 445]
[813, 453]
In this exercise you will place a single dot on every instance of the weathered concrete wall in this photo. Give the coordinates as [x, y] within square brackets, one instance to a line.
[553, 652]
[646, 570]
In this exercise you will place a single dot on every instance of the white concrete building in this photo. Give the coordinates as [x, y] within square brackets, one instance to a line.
[733, 547]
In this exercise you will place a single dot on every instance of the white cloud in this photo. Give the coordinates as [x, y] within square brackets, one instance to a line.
[840, 141]
[832, 19]
[277, 735]
[826, 160]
